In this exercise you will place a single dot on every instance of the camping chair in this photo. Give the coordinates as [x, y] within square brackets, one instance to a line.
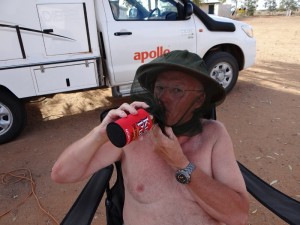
[277, 202]
[85, 206]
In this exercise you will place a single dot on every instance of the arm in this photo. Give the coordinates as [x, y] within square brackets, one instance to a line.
[223, 195]
[93, 151]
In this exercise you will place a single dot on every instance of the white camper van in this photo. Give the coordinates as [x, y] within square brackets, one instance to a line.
[54, 46]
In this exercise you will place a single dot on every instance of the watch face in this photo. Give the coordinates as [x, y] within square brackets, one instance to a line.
[182, 177]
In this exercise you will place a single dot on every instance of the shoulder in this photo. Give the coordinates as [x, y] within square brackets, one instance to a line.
[213, 131]
[213, 126]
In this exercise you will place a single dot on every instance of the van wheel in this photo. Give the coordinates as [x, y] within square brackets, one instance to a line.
[223, 67]
[12, 117]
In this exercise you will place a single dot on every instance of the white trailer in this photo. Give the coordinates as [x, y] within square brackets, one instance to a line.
[54, 46]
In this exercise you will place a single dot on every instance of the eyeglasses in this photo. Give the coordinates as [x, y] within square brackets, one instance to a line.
[173, 91]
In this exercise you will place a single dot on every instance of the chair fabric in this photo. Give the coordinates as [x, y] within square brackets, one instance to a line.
[279, 203]
[83, 210]
[114, 201]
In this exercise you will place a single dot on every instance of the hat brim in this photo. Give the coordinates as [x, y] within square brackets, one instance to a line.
[147, 74]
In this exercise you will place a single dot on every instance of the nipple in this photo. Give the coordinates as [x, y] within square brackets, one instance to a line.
[140, 188]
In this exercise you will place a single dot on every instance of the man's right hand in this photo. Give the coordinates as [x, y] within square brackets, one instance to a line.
[121, 112]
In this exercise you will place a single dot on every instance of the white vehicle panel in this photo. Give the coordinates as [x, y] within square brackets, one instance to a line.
[68, 21]
[143, 44]
[129, 52]
[19, 81]
[66, 77]
[207, 39]
[8, 48]
[25, 15]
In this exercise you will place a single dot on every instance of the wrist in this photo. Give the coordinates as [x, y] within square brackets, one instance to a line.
[100, 135]
[183, 164]
[184, 175]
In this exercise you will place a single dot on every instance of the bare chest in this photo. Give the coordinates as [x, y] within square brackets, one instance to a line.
[152, 189]
[149, 179]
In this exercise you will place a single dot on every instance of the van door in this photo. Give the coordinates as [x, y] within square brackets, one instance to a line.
[140, 31]
[65, 28]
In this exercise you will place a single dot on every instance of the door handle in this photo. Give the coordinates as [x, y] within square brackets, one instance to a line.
[122, 33]
[48, 31]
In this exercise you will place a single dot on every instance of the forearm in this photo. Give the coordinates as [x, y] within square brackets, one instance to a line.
[89, 154]
[72, 164]
[220, 201]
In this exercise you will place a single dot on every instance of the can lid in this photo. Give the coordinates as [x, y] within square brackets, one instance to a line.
[116, 135]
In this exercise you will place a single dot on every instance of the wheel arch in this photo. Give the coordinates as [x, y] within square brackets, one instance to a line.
[234, 50]
[12, 94]
[5, 89]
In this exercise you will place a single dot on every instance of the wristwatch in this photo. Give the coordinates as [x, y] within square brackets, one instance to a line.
[184, 175]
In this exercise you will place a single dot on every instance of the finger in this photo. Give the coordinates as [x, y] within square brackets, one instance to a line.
[125, 107]
[129, 109]
[170, 132]
[137, 104]
[156, 131]
[132, 108]
[114, 114]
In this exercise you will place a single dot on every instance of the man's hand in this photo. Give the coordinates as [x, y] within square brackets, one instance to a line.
[121, 112]
[168, 148]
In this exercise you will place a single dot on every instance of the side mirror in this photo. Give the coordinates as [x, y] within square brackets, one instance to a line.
[188, 10]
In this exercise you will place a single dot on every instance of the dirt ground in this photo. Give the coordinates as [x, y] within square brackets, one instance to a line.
[261, 114]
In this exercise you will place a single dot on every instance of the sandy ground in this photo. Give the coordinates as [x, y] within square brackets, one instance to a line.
[261, 114]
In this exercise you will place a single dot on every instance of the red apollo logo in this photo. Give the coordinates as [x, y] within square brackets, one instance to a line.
[142, 56]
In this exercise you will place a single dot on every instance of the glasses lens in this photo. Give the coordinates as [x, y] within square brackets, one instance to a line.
[177, 92]
[174, 92]
[158, 90]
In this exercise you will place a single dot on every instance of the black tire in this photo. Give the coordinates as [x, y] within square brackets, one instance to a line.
[223, 67]
[12, 116]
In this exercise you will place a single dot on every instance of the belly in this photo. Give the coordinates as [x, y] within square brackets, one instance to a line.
[168, 211]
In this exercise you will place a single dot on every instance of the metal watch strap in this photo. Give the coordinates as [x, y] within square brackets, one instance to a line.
[190, 168]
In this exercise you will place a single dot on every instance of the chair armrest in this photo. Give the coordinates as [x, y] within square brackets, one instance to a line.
[86, 204]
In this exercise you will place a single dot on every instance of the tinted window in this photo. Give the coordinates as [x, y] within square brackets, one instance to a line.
[144, 10]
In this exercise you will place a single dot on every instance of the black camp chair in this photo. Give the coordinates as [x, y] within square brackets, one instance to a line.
[85, 206]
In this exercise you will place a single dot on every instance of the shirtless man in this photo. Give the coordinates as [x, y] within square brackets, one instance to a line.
[184, 179]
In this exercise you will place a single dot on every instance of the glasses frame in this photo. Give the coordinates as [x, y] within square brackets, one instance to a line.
[172, 91]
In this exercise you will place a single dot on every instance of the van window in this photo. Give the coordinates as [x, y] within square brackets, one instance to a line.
[145, 10]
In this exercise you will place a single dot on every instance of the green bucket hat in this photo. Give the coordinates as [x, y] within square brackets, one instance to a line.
[183, 61]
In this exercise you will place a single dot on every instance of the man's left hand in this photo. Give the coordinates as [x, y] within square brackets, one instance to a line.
[168, 148]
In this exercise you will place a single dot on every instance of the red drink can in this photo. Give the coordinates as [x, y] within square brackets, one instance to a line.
[127, 129]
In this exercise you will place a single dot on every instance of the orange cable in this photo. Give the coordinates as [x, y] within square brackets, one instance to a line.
[9, 178]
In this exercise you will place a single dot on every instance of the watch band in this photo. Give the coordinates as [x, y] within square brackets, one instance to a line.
[190, 168]
[184, 175]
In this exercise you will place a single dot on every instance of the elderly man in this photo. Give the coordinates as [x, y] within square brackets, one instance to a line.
[184, 173]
